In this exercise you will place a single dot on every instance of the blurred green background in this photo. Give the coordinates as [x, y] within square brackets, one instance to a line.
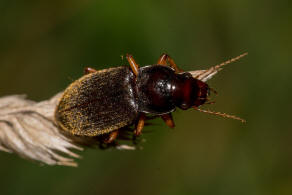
[44, 45]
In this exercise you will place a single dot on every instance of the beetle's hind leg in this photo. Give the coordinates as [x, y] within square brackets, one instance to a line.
[88, 70]
[165, 59]
[112, 136]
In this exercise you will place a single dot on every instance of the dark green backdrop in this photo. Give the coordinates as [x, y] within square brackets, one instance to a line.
[44, 45]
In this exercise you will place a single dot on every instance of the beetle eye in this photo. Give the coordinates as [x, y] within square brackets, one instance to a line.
[187, 75]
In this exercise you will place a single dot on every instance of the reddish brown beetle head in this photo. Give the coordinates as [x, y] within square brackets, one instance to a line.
[202, 93]
[189, 92]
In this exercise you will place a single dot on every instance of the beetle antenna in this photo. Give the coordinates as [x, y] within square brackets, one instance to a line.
[217, 67]
[224, 115]
[205, 75]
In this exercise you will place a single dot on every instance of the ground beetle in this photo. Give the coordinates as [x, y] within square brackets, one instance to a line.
[102, 102]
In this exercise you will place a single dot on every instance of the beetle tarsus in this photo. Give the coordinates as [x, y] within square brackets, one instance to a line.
[168, 120]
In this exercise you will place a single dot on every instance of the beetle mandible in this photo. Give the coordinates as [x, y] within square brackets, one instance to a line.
[102, 102]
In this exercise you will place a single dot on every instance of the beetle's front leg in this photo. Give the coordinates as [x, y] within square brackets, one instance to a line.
[165, 59]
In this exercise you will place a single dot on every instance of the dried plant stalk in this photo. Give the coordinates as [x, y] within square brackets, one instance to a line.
[27, 128]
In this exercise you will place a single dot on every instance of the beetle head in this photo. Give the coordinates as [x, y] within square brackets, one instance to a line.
[190, 92]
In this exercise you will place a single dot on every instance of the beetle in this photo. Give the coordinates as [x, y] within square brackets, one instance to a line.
[104, 101]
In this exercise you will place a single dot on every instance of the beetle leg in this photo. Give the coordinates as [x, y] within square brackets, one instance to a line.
[165, 59]
[168, 120]
[140, 124]
[88, 70]
[133, 64]
[112, 136]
